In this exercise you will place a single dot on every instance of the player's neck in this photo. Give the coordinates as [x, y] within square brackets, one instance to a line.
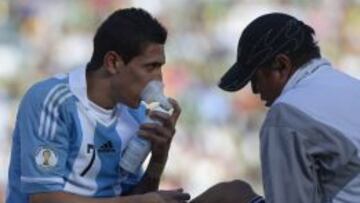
[98, 91]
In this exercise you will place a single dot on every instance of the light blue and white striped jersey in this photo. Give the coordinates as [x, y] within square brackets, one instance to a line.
[60, 144]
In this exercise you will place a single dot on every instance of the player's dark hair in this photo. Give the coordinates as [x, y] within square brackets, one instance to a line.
[128, 32]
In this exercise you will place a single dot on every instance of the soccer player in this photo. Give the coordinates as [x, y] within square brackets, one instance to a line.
[72, 129]
[310, 140]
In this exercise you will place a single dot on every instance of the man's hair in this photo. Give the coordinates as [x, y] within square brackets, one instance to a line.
[127, 32]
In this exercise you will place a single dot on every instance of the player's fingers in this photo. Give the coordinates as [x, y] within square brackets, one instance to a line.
[158, 130]
[152, 137]
[178, 194]
[177, 110]
[162, 117]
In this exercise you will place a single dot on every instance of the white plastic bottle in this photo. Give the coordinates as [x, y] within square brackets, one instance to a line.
[139, 148]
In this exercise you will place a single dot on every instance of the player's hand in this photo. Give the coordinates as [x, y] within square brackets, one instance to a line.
[161, 136]
[169, 196]
[228, 192]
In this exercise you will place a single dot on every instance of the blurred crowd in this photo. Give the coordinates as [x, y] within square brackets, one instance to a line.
[217, 135]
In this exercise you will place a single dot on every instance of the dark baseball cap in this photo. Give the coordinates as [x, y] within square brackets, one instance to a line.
[264, 38]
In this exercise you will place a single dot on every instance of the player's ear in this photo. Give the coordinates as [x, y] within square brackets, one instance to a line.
[113, 62]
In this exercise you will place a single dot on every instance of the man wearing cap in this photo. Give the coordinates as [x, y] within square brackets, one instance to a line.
[310, 139]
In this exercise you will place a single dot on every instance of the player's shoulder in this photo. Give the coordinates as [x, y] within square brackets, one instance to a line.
[47, 89]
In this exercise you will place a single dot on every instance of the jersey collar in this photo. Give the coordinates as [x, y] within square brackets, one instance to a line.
[78, 86]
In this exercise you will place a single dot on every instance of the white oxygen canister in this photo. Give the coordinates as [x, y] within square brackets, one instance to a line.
[139, 148]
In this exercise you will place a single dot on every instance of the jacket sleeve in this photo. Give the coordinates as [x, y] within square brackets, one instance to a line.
[289, 174]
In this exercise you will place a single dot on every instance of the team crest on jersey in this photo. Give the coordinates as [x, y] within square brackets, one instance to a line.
[46, 158]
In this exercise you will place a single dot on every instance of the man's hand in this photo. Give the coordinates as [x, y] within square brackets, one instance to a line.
[236, 191]
[170, 196]
[161, 136]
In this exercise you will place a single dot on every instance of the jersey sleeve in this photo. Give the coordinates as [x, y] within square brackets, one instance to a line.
[44, 139]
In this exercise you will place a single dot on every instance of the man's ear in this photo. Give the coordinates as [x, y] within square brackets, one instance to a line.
[113, 62]
[283, 64]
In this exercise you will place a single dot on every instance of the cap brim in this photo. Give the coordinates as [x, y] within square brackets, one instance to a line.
[235, 78]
